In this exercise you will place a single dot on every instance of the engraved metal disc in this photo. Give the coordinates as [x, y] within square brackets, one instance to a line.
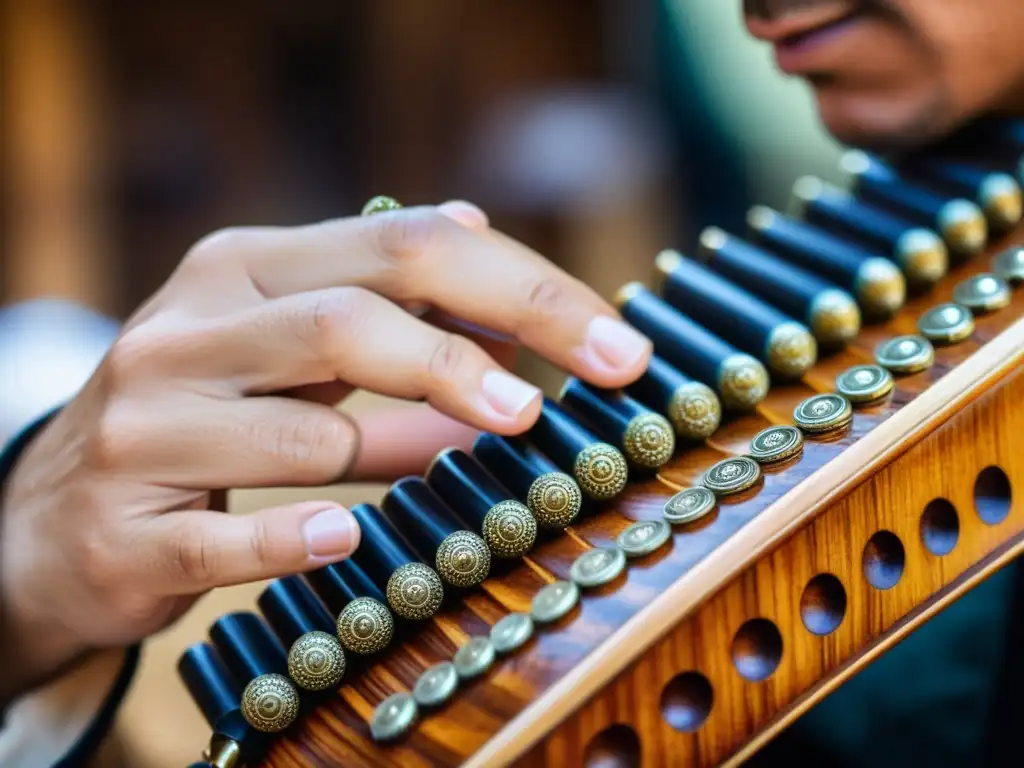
[880, 287]
[436, 685]
[475, 657]
[1009, 265]
[946, 324]
[270, 703]
[689, 505]
[776, 444]
[791, 350]
[393, 717]
[643, 537]
[983, 293]
[463, 559]
[601, 471]
[511, 632]
[380, 203]
[864, 383]
[834, 317]
[597, 566]
[415, 591]
[554, 499]
[731, 476]
[695, 411]
[649, 440]
[742, 382]
[823, 413]
[316, 661]
[923, 257]
[509, 529]
[365, 625]
[905, 354]
[554, 601]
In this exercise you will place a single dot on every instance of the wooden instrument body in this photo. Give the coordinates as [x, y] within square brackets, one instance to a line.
[600, 681]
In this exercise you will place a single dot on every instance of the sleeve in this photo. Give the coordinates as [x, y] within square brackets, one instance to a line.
[63, 722]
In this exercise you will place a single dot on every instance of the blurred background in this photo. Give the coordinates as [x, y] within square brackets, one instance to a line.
[596, 131]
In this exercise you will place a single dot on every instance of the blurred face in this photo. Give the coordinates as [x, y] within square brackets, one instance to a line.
[894, 73]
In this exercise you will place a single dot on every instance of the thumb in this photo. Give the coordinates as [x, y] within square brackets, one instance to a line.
[189, 552]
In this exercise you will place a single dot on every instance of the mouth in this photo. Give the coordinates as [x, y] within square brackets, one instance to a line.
[799, 33]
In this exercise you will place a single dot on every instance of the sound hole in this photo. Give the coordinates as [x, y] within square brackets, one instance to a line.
[614, 747]
[757, 650]
[823, 604]
[940, 527]
[686, 701]
[884, 558]
[992, 495]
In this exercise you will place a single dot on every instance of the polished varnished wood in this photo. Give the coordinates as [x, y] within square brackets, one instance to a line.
[678, 610]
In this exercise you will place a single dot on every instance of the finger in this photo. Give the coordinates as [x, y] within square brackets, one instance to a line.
[467, 214]
[189, 552]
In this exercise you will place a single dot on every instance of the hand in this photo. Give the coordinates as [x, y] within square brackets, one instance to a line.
[226, 378]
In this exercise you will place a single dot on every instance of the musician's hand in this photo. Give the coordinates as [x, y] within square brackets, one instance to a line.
[226, 378]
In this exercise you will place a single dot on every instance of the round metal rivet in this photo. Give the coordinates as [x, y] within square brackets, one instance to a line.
[643, 537]
[864, 383]
[597, 566]
[823, 413]
[510, 529]
[1009, 265]
[316, 661]
[511, 632]
[946, 324]
[649, 440]
[791, 350]
[393, 717]
[695, 411]
[776, 444]
[983, 293]
[742, 382]
[554, 601]
[270, 703]
[463, 559]
[601, 471]
[436, 685]
[415, 591]
[554, 499]
[475, 657]
[365, 626]
[689, 505]
[905, 354]
[731, 476]
[834, 317]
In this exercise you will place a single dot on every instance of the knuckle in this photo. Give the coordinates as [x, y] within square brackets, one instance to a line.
[546, 299]
[106, 444]
[193, 555]
[405, 235]
[97, 564]
[215, 246]
[334, 319]
[316, 447]
[450, 357]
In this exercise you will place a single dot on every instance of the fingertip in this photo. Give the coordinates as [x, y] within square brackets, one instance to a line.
[467, 214]
[613, 353]
[331, 532]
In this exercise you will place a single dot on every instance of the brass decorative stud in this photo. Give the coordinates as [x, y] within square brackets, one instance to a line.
[776, 444]
[923, 257]
[823, 413]
[742, 382]
[1009, 264]
[1001, 200]
[597, 566]
[415, 591]
[695, 411]
[554, 601]
[880, 287]
[834, 318]
[963, 226]
[365, 626]
[270, 703]
[905, 354]
[731, 476]
[946, 324]
[379, 204]
[864, 383]
[463, 559]
[223, 752]
[792, 350]
[554, 499]
[644, 537]
[436, 685]
[509, 529]
[983, 293]
[511, 632]
[316, 661]
[393, 717]
[688, 505]
[601, 471]
[649, 440]
[474, 658]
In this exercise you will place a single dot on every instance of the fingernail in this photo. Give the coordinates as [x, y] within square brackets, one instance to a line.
[507, 394]
[467, 214]
[331, 533]
[614, 343]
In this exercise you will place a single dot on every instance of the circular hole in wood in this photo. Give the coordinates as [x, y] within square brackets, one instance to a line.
[992, 495]
[823, 604]
[686, 701]
[940, 527]
[617, 746]
[757, 650]
[884, 558]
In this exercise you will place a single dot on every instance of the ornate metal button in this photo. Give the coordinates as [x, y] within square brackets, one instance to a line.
[731, 476]
[415, 592]
[742, 382]
[649, 440]
[316, 661]
[511, 632]
[554, 601]
[792, 350]
[436, 685]
[474, 658]
[983, 293]
[823, 413]
[880, 287]
[643, 537]
[393, 717]
[776, 444]
[365, 626]
[380, 203]
[554, 499]
[905, 354]
[695, 411]
[597, 566]
[864, 383]
[463, 559]
[946, 324]
[270, 703]
[923, 257]
[509, 529]
[689, 505]
[601, 471]
[834, 317]
[1009, 265]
